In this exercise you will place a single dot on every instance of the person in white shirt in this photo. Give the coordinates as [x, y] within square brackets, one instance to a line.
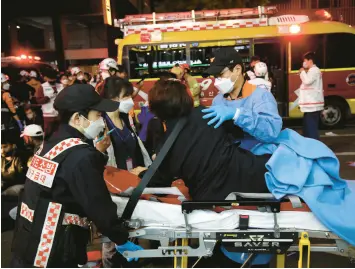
[46, 96]
[311, 96]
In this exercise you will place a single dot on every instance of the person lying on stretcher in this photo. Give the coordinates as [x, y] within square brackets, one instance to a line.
[212, 165]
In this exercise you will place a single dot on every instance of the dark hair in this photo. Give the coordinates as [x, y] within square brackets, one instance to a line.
[37, 138]
[63, 75]
[88, 75]
[114, 86]
[310, 56]
[165, 75]
[231, 67]
[121, 69]
[254, 58]
[169, 99]
[49, 73]
[27, 107]
[65, 115]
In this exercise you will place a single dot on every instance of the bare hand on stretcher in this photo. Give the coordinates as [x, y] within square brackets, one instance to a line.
[136, 171]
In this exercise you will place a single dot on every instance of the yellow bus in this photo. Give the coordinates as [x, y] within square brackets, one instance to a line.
[156, 42]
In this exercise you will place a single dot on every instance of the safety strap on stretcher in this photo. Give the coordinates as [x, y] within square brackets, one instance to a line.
[136, 194]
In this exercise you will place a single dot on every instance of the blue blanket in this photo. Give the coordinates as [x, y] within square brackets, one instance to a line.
[309, 169]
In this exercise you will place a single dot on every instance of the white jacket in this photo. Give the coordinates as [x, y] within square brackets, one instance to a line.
[48, 91]
[311, 96]
[263, 83]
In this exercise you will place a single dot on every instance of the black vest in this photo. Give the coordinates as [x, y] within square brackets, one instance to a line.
[42, 237]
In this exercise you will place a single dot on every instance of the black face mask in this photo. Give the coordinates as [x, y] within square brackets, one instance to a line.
[52, 82]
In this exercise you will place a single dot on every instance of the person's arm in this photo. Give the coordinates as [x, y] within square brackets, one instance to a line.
[261, 121]
[10, 104]
[88, 186]
[194, 87]
[309, 77]
[40, 98]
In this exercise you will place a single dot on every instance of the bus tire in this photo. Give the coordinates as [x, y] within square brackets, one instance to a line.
[334, 114]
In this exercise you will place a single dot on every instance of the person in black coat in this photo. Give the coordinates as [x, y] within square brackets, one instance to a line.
[207, 159]
[77, 187]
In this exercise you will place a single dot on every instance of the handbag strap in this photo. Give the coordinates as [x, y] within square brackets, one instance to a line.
[136, 194]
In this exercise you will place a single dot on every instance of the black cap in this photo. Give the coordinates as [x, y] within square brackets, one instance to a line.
[78, 97]
[223, 58]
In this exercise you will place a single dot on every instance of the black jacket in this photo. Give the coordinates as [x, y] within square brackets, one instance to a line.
[211, 165]
[79, 184]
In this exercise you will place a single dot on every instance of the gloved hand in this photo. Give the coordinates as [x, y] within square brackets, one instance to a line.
[219, 113]
[20, 125]
[128, 246]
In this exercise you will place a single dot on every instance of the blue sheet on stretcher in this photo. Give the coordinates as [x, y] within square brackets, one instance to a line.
[309, 169]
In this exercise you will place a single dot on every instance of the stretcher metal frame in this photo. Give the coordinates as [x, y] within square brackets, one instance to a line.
[276, 241]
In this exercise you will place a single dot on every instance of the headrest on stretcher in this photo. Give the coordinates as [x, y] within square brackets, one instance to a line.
[118, 181]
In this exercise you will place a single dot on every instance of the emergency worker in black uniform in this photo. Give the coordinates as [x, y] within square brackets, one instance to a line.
[53, 217]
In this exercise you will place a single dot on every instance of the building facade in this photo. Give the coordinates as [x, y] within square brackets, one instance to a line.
[66, 32]
[341, 10]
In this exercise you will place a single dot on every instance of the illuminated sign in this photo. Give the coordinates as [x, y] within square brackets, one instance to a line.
[172, 46]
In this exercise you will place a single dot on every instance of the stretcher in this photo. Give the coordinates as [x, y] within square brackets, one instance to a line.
[250, 223]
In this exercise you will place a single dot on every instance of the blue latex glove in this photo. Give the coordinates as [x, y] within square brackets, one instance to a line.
[20, 125]
[219, 114]
[128, 246]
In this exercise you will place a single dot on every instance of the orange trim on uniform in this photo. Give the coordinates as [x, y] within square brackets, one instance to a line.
[9, 102]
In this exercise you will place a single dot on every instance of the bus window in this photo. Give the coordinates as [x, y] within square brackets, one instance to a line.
[202, 53]
[300, 45]
[269, 52]
[150, 60]
[340, 50]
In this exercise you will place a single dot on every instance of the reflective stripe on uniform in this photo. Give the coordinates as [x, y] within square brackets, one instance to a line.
[26, 212]
[47, 236]
[69, 219]
[62, 146]
[75, 220]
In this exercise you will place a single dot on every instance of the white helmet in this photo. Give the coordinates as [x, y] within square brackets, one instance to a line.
[24, 73]
[33, 74]
[4, 78]
[260, 69]
[107, 64]
[74, 71]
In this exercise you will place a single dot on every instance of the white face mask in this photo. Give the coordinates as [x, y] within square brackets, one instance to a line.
[64, 81]
[94, 129]
[6, 86]
[224, 85]
[126, 105]
[305, 65]
[105, 75]
[29, 116]
[80, 77]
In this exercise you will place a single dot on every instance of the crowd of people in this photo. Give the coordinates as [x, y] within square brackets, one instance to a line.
[92, 114]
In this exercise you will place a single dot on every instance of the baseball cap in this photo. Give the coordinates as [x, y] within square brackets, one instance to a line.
[32, 130]
[78, 97]
[223, 58]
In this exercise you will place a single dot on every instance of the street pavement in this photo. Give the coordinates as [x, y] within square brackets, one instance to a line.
[341, 141]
